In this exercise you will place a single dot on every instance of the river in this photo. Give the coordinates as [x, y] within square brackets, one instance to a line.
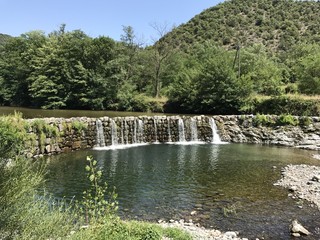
[228, 187]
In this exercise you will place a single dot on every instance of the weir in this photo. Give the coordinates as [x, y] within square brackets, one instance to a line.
[157, 129]
[88, 133]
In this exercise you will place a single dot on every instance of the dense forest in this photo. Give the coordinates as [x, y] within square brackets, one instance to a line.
[237, 57]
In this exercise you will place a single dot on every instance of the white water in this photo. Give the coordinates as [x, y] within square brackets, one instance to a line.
[100, 134]
[215, 136]
[155, 130]
[182, 137]
[140, 131]
[169, 132]
[114, 133]
[138, 138]
[193, 129]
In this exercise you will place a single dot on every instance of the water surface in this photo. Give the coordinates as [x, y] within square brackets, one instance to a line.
[230, 187]
[42, 113]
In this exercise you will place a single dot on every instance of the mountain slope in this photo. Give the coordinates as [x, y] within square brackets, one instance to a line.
[4, 38]
[278, 24]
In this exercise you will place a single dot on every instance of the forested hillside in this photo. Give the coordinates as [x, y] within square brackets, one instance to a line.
[275, 69]
[4, 38]
[277, 24]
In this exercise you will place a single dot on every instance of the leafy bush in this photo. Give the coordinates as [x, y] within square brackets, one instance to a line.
[287, 105]
[12, 135]
[287, 119]
[263, 120]
[78, 126]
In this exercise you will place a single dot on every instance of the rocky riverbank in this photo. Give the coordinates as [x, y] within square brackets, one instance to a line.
[303, 182]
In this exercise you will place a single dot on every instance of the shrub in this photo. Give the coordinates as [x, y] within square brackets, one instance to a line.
[305, 121]
[263, 120]
[78, 126]
[287, 119]
[287, 105]
[12, 135]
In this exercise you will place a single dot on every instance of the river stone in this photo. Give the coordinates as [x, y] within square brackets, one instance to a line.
[316, 178]
[296, 227]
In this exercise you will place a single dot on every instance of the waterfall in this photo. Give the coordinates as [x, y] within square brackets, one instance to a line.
[169, 131]
[114, 134]
[135, 139]
[100, 134]
[182, 137]
[122, 130]
[215, 135]
[140, 131]
[155, 129]
[193, 129]
[126, 129]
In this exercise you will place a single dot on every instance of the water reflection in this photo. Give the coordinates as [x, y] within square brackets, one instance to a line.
[41, 113]
[169, 181]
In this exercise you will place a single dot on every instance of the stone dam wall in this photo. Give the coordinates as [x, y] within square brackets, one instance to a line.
[56, 135]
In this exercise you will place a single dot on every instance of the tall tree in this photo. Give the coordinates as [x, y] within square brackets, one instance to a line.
[162, 50]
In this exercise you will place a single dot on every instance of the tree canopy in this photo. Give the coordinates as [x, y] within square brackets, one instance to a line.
[225, 60]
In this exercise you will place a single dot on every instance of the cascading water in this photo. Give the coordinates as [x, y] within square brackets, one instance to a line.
[215, 136]
[135, 138]
[140, 131]
[134, 131]
[193, 129]
[126, 130]
[122, 130]
[182, 137]
[155, 130]
[169, 131]
[114, 133]
[100, 134]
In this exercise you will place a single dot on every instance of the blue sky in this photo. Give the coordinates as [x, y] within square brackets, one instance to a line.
[97, 17]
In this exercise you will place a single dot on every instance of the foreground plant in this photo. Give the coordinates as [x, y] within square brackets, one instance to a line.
[98, 204]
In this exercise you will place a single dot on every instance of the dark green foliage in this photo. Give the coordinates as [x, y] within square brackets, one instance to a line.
[287, 105]
[207, 83]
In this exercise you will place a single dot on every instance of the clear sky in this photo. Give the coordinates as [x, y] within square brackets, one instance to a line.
[97, 17]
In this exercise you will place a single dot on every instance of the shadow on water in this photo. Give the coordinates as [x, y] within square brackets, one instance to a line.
[228, 187]
[42, 113]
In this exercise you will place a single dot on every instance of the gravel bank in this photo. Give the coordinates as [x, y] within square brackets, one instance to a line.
[303, 181]
[201, 233]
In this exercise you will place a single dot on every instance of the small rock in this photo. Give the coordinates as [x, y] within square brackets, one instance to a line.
[296, 227]
[230, 234]
[171, 221]
[193, 213]
[296, 234]
[316, 178]
[293, 188]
